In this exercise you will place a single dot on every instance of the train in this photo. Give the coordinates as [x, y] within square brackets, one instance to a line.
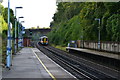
[43, 40]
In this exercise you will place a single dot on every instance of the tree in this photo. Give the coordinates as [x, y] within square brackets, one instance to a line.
[73, 20]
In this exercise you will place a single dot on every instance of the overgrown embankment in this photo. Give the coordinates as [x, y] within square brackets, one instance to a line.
[76, 21]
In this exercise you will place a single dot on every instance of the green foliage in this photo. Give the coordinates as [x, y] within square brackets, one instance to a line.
[74, 21]
[4, 28]
[3, 24]
[12, 18]
[113, 27]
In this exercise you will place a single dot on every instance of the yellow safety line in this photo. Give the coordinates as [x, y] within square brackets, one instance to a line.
[44, 66]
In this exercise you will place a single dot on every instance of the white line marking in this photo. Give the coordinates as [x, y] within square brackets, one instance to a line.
[44, 66]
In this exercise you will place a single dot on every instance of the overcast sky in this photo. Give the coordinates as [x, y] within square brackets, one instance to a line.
[35, 12]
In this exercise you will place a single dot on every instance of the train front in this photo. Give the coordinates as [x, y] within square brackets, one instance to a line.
[44, 40]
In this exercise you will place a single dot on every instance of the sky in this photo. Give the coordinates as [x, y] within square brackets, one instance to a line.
[35, 12]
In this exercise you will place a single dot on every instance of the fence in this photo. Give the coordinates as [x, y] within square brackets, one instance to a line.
[104, 46]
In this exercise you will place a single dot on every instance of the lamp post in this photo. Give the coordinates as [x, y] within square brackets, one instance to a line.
[82, 36]
[19, 31]
[98, 33]
[8, 53]
[15, 45]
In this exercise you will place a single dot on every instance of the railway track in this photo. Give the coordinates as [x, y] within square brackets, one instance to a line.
[95, 64]
[74, 65]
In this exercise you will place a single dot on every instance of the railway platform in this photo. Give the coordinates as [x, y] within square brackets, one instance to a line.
[33, 64]
[93, 52]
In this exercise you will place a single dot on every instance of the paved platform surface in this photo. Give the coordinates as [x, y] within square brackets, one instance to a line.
[106, 54]
[56, 70]
[26, 64]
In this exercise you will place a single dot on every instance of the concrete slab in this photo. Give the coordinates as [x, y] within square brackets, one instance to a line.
[25, 65]
[106, 54]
